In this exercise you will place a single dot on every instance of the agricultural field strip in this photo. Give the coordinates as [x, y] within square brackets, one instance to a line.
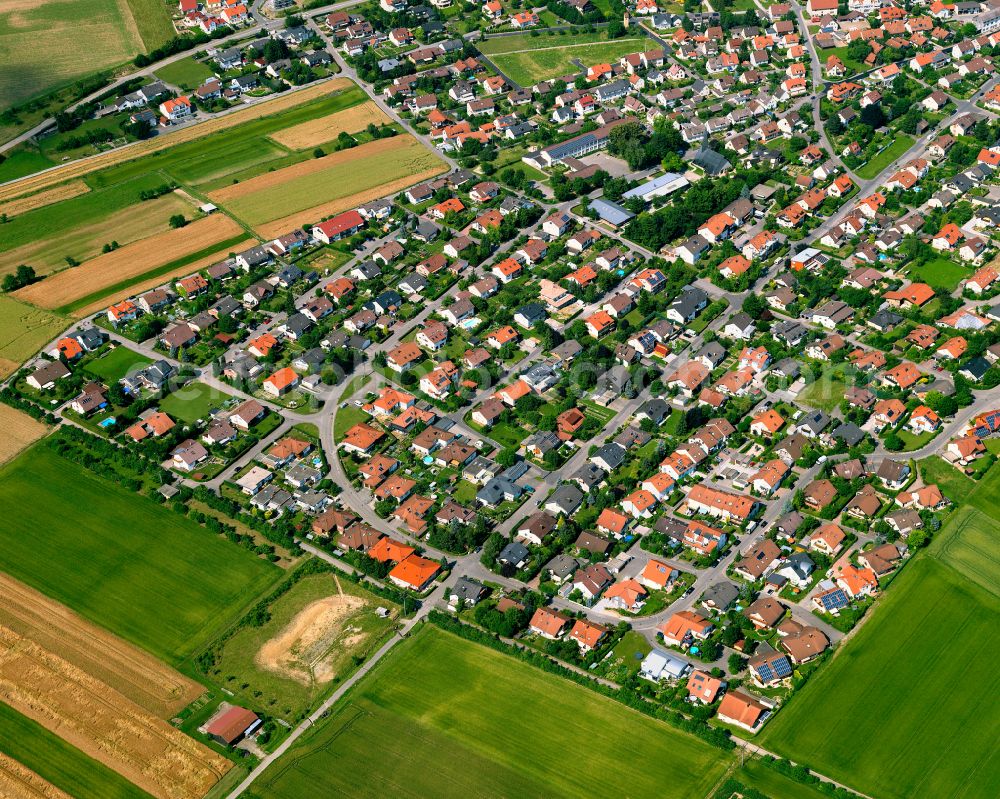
[945, 659]
[131, 261]
[326, 129]
[86, 166]
[24, 328]
[440, 697]
[138, 676]
[103, 723]
[30, 202]
[143, 283]
[20, 782]
[501, 53]
[19, 432]
[62, 544]
[47, 254]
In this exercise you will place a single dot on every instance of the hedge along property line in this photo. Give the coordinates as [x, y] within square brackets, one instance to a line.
[10, 397]
[714, 736]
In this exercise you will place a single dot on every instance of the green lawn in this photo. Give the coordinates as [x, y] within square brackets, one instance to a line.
[63, 765]
[900, 144]
[841, 53]
[187, 73]
[826, 392]
[951, 481]
[124, 562]
[346, 418]
[942, 274]
[986, 496]
[21, 162]
[435, 719]
[282, 694]
[115, 364]
[527, 59]
[912, 441]
[899, 712]
[193, 401]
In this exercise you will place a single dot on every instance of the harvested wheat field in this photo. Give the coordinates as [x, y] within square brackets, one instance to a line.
[103, 723]
[136, 222]
[19, 431]
[139, 287]
[7, 367]
[306, 649]
[319, 131]
[276, 228]
[77, 169]
[131, 261]
[19, 782]
[22, 205]
[132, 672]
[339, 179]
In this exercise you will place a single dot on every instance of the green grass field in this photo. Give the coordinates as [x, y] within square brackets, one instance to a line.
[826, 392]
[193, 401]
[63, 765]
[282, 694]
[128, 564]
[24, 329]
[76, 212]
[986, 495]
[900, 144]
[755, 774]
[444, 717]
[899, 712]
[941, 274]
[47, 45]
[186, 73]
[213, 161]
[955, 485]
[22, 162]
[115, 364]
[528, 59]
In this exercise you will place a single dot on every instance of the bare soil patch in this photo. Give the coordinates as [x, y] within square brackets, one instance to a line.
[270, 230]
[319, 131]
[103, 723]
[132, 260]
[19, 431]
[166, 277]
[85, 166]
[20, 782]
[304, 651]
[140, 677]
[22, 205]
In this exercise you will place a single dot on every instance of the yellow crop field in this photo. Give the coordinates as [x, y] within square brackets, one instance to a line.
[22, 205]
[345, 174]
[131, 261]
[19, 432]
[319, 131]
[136, 222]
